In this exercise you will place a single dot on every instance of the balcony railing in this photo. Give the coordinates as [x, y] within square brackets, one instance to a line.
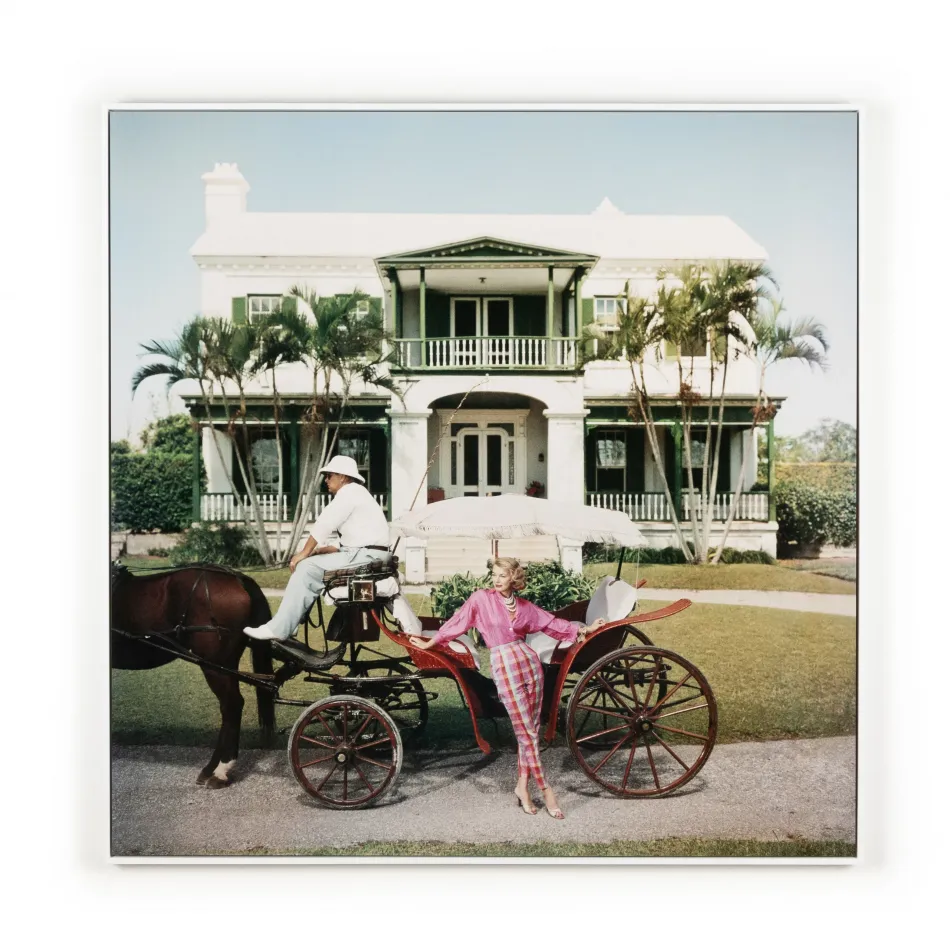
[653, 506]
[488, 352]
[223, 506]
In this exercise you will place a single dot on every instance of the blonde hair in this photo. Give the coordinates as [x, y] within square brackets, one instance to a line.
[513, 566]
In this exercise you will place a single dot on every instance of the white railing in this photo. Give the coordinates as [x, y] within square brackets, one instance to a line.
[641, 506]
[753, 506]
[652, 506]
[223, 506]
[488, 352]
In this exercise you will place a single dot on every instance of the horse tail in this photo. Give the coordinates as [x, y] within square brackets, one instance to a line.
[261, 660]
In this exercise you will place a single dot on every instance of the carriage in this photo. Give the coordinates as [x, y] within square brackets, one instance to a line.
[640, 720]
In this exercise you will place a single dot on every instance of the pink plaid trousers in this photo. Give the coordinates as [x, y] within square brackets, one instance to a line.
[519, 677]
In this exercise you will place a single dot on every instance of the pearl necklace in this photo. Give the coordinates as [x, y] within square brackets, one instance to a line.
[510, 603]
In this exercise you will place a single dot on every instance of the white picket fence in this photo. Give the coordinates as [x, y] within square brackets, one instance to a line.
[488, 352]
[223, 506]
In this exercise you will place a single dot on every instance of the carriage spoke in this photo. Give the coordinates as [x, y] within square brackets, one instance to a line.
[325, 745]
[327, 776]
[630, 685]
[671, 752]
[656, 676]
[615, 694]
[603, 732]
[379, 765]
[626, 771]
[368, 745]
[685, 709]
[306, 765]
[326, 725]
[683, 732]
[656, 778]
[609, 755]
[359, 772]
[604, 711]
[666, 698]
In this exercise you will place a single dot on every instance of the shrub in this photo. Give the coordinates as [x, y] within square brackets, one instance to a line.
[549, 586]
[604, 553]
[151, 492]
[223, 544]
[834, 476]
[809, 515]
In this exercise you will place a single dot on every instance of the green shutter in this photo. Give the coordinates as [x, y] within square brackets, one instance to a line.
[239, 310]
[719, 346]
[288, 306]
[587, 309]
[724, 475]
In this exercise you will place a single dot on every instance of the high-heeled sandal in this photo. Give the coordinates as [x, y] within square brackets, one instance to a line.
[528, 807]
[554, 812]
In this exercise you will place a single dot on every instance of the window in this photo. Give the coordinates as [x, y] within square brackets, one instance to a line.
[356, 447]
[605, 312]
[360, 310]
[610, 460]
[259, 307]
[694, 346]
[266, 465]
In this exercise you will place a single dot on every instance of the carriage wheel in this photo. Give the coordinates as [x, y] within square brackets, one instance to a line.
[642, 721]
[345, 751]
[406, 701]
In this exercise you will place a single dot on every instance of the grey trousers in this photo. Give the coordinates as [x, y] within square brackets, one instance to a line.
[306, 585]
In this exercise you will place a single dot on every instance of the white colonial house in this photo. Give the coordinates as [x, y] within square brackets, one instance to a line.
[493, 299]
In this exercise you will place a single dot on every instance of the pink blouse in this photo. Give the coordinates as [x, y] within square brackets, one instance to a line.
[485, 610]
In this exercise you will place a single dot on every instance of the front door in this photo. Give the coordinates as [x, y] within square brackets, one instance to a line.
[487, 461]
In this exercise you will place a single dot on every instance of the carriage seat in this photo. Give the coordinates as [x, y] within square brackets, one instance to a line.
[613, 600]
[346, 584]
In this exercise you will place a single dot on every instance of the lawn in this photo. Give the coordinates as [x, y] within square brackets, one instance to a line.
[657, 848]
[775, 674]
[796, 576]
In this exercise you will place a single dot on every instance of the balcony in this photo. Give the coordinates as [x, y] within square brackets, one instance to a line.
[488, 352]
[653, 506]
[223, 506]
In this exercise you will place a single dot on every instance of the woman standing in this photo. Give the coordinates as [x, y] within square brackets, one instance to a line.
[504, 620]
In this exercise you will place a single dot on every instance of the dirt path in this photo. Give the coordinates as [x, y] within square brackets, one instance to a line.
[765, 790]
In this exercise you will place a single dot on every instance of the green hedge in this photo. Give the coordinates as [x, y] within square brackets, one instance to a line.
[549, 586]
[808, 514]
[151, 492]
[595, 553]
[834, 476]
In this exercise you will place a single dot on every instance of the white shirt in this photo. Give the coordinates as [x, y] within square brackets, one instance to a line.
[355, 516]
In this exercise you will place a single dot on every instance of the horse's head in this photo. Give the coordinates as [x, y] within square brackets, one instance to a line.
[117, 571]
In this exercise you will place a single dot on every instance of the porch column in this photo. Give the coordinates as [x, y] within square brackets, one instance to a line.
[422, 314]
[770, 455]
[565, 458]
[293, 430]
[409, 453]
[196, 473]
[550, 315]
[578, 280]
[678, 469]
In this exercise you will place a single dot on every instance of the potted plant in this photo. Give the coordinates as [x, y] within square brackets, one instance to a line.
[435, 494]
[535, 490]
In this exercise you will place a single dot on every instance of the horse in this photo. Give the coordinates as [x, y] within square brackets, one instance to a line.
[202, 609]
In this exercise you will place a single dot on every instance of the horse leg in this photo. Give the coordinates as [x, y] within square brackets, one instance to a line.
[228, 691]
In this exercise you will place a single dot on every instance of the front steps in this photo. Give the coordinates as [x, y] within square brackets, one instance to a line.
[448, 556]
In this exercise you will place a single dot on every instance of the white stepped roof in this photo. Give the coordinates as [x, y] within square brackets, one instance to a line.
[608, 233]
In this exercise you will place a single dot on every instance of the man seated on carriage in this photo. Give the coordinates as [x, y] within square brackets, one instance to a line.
[363, 531]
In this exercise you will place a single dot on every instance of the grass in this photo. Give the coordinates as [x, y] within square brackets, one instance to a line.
[775, 674]
[657, 848]
[819, 577]
[725, 577]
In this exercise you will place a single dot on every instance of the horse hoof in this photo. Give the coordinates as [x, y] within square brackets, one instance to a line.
[215, 782]
[203, 776]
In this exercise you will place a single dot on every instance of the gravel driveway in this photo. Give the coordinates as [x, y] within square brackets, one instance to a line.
[763, 790]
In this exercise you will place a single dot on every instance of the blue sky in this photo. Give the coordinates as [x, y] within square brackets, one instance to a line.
[789, 179]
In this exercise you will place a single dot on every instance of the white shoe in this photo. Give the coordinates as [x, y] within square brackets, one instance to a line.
[261, 633]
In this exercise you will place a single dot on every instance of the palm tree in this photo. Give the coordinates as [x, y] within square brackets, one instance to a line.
[775, 340]
[185, 358]
[343, 343]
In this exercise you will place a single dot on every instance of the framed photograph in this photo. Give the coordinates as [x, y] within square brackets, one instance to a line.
[466, 386]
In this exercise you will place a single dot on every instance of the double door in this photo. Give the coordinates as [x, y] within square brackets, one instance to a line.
[481, 330]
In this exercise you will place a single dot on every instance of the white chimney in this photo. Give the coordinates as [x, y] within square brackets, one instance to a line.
[225, 192]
